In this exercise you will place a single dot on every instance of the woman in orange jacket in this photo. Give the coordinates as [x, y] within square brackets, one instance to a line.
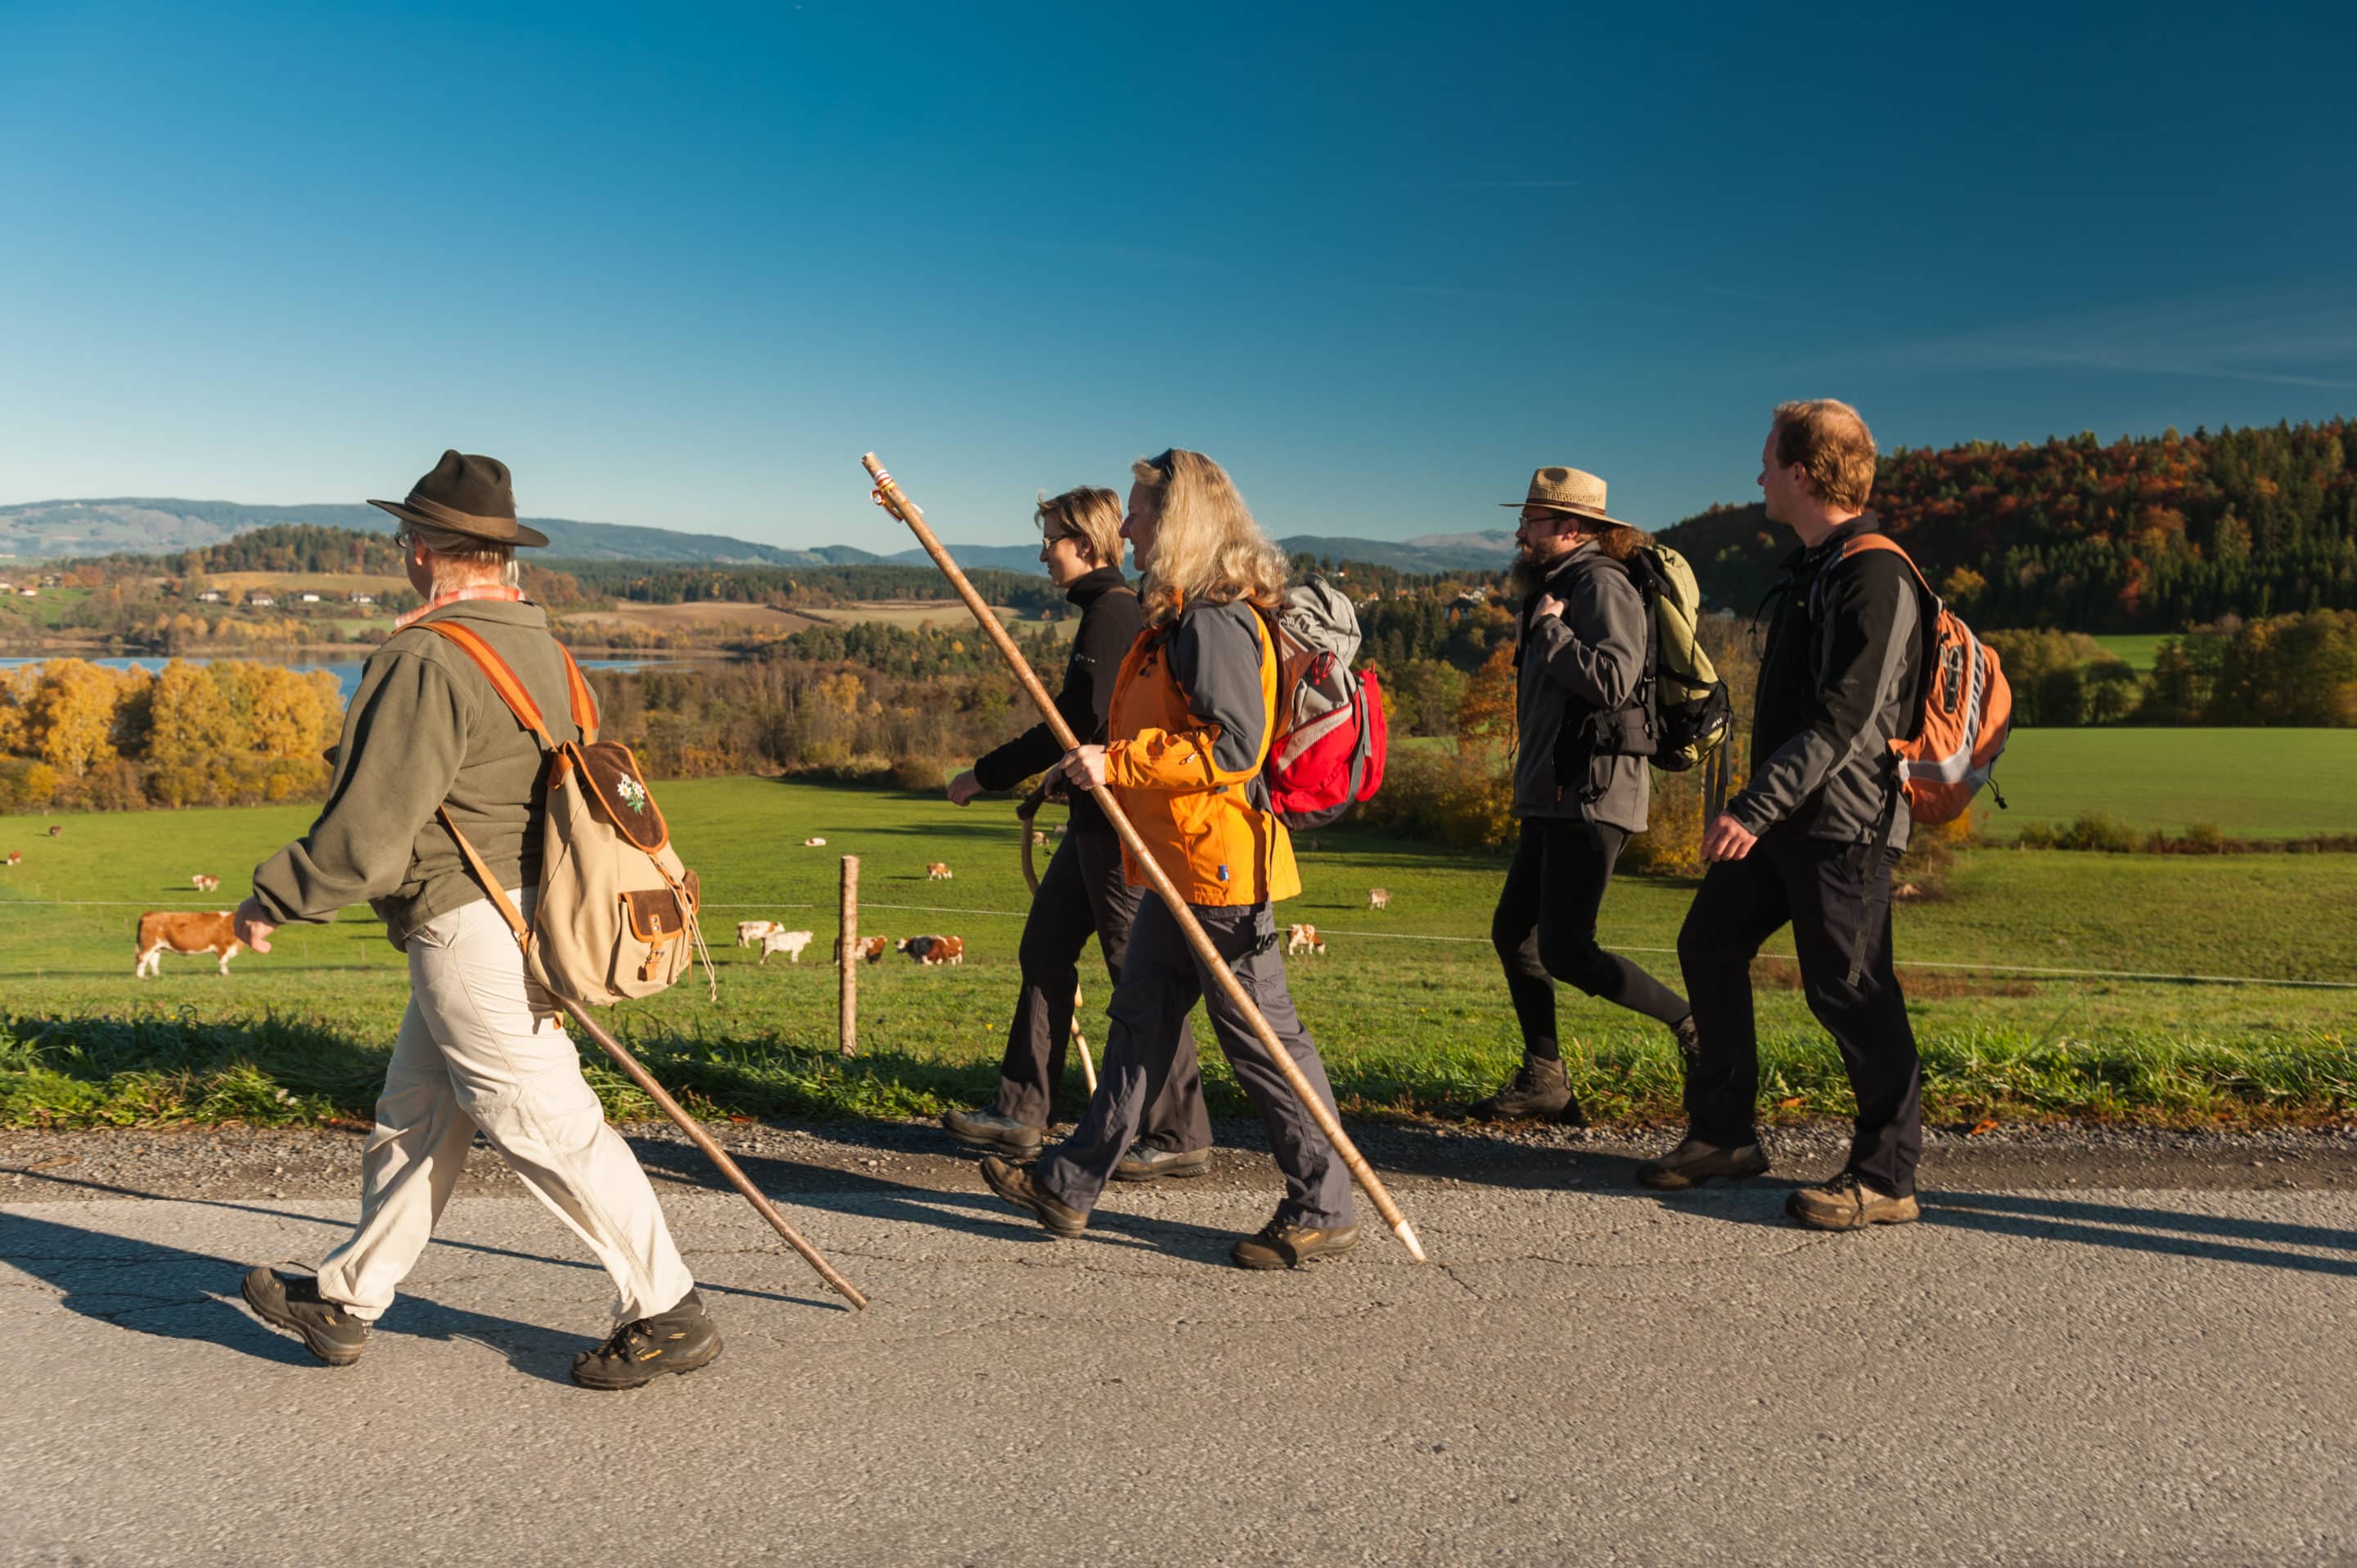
[1194, 714]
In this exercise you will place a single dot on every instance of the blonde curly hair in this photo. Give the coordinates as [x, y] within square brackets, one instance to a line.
[1207, 548]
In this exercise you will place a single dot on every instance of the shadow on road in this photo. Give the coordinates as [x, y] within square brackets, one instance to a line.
[176, 1294]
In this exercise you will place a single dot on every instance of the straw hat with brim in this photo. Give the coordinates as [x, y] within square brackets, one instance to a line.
[467, 494]
[1568, 490]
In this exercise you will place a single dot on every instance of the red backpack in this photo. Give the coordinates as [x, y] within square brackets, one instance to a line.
[1332, 737]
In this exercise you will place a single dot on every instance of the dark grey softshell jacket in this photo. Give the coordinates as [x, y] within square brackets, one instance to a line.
[1586, 659]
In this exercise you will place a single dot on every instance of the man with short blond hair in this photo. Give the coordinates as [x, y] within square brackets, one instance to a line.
[1811, 839]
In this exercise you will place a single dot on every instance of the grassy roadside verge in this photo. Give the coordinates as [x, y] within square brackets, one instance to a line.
[77, 1072]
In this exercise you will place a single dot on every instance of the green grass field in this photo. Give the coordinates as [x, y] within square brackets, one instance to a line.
[2134, 648]
[1408, 1006]
[2252, 783]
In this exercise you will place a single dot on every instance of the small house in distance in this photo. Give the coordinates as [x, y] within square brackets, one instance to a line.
[210, 596]
[309, 598]
[260, 599]
[363, 599]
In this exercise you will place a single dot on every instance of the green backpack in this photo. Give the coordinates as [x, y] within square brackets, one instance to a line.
[1687, 710]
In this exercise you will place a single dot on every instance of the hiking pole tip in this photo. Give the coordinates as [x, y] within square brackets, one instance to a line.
[1406, 1234]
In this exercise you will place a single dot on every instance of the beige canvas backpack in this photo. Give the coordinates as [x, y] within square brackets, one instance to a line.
[616, 916]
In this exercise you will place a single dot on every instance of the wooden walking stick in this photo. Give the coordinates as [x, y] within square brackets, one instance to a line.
[1024, 813]
[712, 1151]
[889, 496]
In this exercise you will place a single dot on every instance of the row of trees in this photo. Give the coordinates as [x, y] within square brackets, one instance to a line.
[2294, 670]
[235, 732]
[2150, 534]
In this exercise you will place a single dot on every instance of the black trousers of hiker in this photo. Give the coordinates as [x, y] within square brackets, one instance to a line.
[1839, 909]
[1545, 930]
[1082, 894]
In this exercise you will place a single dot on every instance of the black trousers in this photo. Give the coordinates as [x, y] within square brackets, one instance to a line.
[1545, 930]
[1082, 894]
[1837, 904]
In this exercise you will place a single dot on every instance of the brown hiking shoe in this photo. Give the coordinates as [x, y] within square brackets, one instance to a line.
[680, 1338]
[1693, 1162]
[1845, 1203]
[1140, 1163]
[987, 1129]
[1283, 1246]
[1539, 1092]
[1014, 1183]
[329, 1330]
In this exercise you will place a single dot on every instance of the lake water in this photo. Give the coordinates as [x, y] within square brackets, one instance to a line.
[346, 669]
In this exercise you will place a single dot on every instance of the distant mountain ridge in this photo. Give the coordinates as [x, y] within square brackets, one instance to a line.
[168, 525]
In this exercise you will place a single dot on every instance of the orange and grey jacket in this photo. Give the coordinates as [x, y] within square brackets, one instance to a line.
[1193, 716]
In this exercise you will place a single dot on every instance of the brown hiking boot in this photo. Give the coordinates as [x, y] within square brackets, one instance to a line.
[1140, 1163]
[1014, 1183]
[680, 1338]
[1283, 1246]
[329, 1330]
[1693, 1162]
[987, 1129]
[1845, 1203]
[1539, 1092]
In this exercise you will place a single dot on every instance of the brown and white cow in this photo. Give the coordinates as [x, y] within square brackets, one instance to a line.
[813, 844]
[183, 932]
[57, 830]
[16, 857]
[751, 932]
[871, 949]
[205, 884]
[933, 950]
[789, 944]
[1303, 939]
[1379, 898]
[937, 870]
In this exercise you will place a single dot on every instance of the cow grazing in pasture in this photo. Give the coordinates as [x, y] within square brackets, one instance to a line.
[183, 932]
[14, 856]
[789, 944]
[1303, 939]
[751, 932]
[813, 844]
[871, 949]
[57, 830]
[1039, 837]
[204, 884]
[1379, 898]
[937, 870]
[933, 950]
[1059, 829]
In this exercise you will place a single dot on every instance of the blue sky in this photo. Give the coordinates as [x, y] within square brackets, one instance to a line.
[681, 265]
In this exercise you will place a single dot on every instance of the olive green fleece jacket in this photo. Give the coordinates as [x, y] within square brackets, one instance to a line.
[426, 729]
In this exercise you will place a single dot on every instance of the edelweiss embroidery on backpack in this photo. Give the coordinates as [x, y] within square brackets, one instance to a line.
[633, 793]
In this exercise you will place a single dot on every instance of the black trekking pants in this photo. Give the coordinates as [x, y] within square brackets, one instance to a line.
[1545, 930]
[1836, 904]
[1084, 894]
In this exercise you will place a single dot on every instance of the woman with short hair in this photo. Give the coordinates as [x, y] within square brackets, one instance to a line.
[1083, 892]
[1194, 714]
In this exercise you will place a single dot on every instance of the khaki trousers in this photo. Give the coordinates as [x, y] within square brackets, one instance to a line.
[480, 1047]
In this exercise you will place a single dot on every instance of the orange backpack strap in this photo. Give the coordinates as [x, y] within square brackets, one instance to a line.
[503, 680]
[584, 701]
[1866, 541]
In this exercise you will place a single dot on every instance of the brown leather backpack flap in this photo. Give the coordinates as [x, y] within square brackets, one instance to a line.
[656, 915]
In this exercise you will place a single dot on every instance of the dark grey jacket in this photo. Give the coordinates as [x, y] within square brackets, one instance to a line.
[1840, 678]
[1585, 661]
[426, 727]
[1111, 618]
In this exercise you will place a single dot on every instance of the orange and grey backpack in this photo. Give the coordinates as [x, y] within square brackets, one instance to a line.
[616, 915]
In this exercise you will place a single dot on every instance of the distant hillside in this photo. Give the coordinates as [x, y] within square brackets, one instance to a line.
[53, 529]
[2150, 534]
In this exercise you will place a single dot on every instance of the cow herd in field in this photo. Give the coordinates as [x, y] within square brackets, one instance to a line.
[213, 932]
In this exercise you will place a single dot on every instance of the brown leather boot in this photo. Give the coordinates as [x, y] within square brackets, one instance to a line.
[1846, 1203]
[1014, 1183]
[1282, 1246]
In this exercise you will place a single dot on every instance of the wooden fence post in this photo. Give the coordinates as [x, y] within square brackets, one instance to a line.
[847, 996]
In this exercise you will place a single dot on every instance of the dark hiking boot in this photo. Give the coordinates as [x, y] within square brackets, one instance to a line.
[678, 1340]
[1689, 1039]
[1540, 1092]
[329, 1331]
[1144, 1163]
[1014, 1183]
[1846, 1203]
[1694, 1162]
[1283, 1246]
[998, 1135]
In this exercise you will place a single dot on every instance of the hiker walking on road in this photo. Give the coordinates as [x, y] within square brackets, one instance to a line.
[1194, 714]
[1083, 892]
[480, 1046]
[1581, 780]
[1812, 838]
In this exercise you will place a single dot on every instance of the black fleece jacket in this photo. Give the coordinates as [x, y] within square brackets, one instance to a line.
[1839, 680]
[1111, 618]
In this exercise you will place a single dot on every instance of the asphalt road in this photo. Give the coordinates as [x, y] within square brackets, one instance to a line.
[2159, 1369]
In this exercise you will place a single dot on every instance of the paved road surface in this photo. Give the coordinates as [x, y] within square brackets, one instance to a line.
[2059, 1373]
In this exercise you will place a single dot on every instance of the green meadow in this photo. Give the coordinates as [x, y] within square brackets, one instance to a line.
[1406, 1005]
[2249, 783]
[2134, 648]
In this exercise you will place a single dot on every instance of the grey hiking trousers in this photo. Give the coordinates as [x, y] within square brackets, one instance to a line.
[1160, 983]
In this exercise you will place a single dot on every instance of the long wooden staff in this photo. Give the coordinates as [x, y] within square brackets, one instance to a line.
[1025, 814]
[889, 496]
[713, 1152]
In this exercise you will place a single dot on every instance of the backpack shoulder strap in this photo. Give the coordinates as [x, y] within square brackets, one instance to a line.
[502, 680]
[583, 701]
[1863, 542]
